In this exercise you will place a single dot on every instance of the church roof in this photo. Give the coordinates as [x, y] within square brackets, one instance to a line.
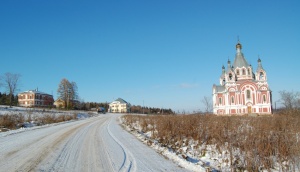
[259, 67]
[239, 60]
[219, 88]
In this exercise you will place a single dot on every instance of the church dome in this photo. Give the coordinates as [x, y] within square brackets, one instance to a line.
[258, 60]
[238, 46]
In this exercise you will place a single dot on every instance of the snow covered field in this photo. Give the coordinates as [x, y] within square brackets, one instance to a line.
[94, 144]
[34, 112]
[20, 117]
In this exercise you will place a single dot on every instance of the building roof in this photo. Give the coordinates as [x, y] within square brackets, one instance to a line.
[219, 88]
[259, 67]
[59, 100]
[239, 60]
[35, 92]
[119, 100]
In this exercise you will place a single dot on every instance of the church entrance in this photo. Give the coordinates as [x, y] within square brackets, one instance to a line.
[249, 109]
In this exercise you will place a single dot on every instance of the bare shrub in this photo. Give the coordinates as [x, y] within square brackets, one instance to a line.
[11, 121]
[48, 118]
[252, 143]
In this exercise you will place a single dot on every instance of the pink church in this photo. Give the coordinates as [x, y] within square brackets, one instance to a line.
[242, 90]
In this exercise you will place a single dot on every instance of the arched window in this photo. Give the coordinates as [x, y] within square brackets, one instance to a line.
[230, 76]
[244, 72]
[248, 71]
[248, 93]
[261, 75]
[232, 99]
[237, 72]
[220, 100]
[264, 99]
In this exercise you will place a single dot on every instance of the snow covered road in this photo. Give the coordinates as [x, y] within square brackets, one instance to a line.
[94, 144]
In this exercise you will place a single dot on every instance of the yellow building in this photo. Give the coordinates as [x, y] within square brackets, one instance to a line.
[59, 103]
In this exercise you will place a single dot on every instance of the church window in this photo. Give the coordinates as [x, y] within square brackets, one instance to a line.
[232, 99]
[238, 72]
[230, 76]
[248, 94]
[261, 75]
[244, 72]
[264, 98]
[220, 100]
[248, 71]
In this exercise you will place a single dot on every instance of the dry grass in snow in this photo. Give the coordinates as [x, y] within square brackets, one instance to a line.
[14, 118]
[226, 143]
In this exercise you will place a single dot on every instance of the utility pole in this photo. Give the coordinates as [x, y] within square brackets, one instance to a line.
[143, 106]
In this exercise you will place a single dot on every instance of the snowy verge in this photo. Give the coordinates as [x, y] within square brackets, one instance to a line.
[184, 159]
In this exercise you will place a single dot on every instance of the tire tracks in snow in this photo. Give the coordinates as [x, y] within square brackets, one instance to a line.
[129, 162]
[94, 144]
[31, 163]
[85, 151]
[26, 157]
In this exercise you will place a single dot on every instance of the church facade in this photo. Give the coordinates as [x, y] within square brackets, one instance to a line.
[242, 90]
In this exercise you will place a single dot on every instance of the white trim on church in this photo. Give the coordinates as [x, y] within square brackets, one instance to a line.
[241, 91]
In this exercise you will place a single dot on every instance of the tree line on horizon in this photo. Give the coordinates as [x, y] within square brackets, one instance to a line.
[5, 99]
[150, 110]
[68, 92]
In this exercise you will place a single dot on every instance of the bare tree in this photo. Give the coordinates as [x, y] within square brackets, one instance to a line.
[11, 83]
[67, 91]
[289, 99]
[206, 101]
[62, 91]
[73, 91]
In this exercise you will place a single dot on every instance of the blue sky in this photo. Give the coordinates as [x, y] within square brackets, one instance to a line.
[166, 53]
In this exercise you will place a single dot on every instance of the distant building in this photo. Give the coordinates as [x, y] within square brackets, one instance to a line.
[35, 98]
[242, 90]
[59, 103]
[119, 106]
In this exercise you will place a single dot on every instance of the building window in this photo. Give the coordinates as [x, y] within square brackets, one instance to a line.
[244, 72]
[238, 72]
[232, 99]
[230, 76]
[248, 94]
[248, 71]
[264, 99]
[261, 76]
[220, 100]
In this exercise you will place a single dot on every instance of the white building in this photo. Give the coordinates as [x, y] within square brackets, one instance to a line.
[119, 106]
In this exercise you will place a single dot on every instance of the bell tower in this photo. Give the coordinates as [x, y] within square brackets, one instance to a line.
[260, 74]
